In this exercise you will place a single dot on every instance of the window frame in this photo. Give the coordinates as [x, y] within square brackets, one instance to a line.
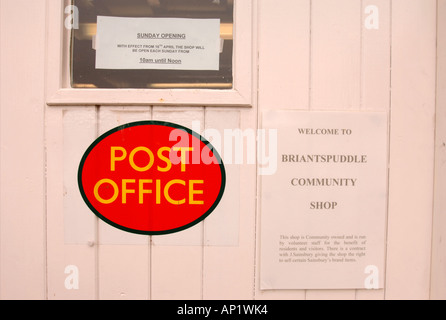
[60, 92]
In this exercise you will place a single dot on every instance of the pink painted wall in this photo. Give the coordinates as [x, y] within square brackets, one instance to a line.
[331, 57]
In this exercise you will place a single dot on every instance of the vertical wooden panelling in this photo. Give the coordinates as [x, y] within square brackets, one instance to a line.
[411, 149]
[22, 159]
[177, 259]
[335, 72]
[229, 230]
[284, 65]
[438, 276]
[222, 226]
[110, 118]
[335, 54]
[79, 131]
[313, 55]
[284, 47]
[187, 118]
[375, 75]
[71, 226]
[375, 54]
[123, 258]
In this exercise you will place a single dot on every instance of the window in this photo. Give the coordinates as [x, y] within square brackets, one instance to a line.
[74, 78]
[84, 72]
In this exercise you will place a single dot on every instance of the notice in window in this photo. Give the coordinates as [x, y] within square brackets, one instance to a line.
[157, 43]
[323, 212]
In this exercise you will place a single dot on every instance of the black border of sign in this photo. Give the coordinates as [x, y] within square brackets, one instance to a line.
[159, 123]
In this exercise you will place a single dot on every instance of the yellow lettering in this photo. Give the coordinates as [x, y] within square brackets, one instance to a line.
[183, 156]
[193, 192]
[162, 192]
[166, 192]
[158, 191]
[132, 159]
[125, 191]
[143, 191]
[165, 159]
[115, 191]
[114, 158]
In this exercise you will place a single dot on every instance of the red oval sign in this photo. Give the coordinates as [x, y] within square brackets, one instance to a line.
[151, 178]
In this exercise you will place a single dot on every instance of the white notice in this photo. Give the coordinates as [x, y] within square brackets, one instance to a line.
[323, 213]
[157, 43]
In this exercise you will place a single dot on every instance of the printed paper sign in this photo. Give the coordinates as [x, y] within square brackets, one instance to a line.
[157, 43]
[323, 213]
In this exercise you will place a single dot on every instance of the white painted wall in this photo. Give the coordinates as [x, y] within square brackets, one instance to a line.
[328, 59]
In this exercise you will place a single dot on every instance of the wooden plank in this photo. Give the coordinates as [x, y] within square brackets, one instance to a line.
[438, 277]
[335, 73]
[124, 272]
[375, 55]
[176, 272]
[185, 117]
[22, 160]
[412, 149]
[284, 54]
[79, 132]
[177, 259]
[222, 227]
[284, 74]
[109, 118]
[375, 77]
[229, 235]
[335, 54]
[124, 258]
[78, 250]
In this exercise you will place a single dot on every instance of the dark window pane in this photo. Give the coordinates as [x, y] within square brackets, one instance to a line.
[83, 56]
